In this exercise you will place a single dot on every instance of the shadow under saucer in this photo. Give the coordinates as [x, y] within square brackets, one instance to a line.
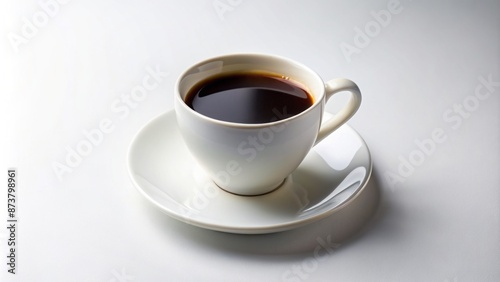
[347, 224]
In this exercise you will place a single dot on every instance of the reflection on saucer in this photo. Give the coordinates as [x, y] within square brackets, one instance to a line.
[339, 159]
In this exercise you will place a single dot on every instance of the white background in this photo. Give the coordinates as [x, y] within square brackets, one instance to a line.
[434, 220]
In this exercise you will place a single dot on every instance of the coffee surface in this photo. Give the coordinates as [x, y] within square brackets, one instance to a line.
[248, 98]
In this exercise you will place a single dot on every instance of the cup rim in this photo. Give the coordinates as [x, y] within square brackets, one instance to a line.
[183, 104]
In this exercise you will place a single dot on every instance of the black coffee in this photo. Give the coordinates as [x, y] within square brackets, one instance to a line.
[248, 98]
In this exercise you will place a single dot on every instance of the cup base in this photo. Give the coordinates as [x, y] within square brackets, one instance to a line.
[254, 195]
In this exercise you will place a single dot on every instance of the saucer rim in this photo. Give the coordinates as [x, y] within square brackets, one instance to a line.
[267, 229]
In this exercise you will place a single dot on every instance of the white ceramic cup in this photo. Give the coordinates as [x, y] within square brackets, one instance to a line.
[254, 159]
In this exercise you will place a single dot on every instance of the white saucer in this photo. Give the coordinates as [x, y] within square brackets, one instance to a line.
[334, 172]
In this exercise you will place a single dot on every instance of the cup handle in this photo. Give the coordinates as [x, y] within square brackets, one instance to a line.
[332, 87]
